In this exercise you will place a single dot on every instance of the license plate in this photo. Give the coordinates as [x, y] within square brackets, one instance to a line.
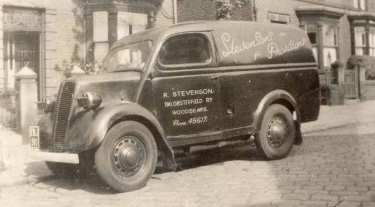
[34, 137]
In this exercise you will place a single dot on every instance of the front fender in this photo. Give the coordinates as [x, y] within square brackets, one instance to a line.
[109, 116]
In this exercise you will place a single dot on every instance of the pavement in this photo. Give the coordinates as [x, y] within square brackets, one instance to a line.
[355, 113]
[15, 157]
[335, 166]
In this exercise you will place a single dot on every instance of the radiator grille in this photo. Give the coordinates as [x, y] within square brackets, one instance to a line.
[62, 112]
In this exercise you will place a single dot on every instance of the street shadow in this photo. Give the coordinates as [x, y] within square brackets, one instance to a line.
[218, 156]
[327, 159]
[93, 183]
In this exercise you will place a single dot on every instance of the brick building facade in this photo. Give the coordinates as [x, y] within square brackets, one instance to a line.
[330, 23]
[49, 36]
[337, 29]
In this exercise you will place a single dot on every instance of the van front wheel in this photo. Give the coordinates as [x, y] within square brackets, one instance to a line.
[127, 157]
[277, 132]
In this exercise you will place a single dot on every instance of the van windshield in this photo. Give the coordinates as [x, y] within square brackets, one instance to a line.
[131, 57]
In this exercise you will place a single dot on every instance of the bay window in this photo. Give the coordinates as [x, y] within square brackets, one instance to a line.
[360, 40]
[100, 34]
[363, 34]
[324, 41]
[330, 46]
[372, 41]
[360, 4]
[322, 28]
[110, 20]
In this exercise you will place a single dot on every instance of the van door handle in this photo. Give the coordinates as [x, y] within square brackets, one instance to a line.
[214, 77]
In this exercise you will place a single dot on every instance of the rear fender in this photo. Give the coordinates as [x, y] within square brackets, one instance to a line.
[281, 97]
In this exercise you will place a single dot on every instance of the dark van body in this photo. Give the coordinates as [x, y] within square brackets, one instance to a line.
[189, 84]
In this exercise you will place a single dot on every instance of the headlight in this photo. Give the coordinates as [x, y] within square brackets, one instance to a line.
[89, 100]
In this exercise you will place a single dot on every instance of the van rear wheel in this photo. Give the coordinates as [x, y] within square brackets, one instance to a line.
[277, 133]
[127, 157]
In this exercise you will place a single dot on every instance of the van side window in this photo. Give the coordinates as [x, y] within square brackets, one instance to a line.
[185, 49]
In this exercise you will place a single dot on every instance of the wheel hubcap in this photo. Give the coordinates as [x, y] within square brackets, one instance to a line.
[128, 155]
[277, 131]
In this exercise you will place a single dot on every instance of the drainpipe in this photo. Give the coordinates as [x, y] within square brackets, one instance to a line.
[253, 11]
[174, 2]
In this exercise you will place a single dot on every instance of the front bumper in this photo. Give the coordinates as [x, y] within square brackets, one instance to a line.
[54, 157]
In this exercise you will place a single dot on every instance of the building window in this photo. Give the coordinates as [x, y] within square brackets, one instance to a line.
[359, 4]
[364, 40]
[129, 23]
[330, 46]
[100, 34]
[278, 18]
[360, 40]
[324, 41]
[130, 57]
[372, 41]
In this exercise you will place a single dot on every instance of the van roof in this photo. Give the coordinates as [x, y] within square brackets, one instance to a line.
[222, 25]
[242, 42]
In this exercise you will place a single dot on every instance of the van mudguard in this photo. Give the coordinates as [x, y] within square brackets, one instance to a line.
[107, 117]
[281, 97]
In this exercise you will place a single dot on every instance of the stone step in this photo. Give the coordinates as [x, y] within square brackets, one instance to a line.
[351, 101]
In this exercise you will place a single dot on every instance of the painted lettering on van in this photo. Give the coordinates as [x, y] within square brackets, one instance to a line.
[275, 50]
[188, 107]
[234, 47]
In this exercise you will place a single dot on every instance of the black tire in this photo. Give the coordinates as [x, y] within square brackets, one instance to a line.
[127, 157]
[65, 170]
[277, 133]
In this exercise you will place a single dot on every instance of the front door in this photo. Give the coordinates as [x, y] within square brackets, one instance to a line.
[20, 49]
[186, 93]
[351, 84]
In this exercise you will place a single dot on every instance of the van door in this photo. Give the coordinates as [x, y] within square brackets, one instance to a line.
[186, 94]
[241, 91]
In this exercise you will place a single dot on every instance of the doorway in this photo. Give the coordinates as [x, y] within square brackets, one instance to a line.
[20, 49]
[352, 84]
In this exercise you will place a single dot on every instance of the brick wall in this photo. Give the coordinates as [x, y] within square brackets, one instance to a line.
[189, 10]
[263, 7]
[61, 42]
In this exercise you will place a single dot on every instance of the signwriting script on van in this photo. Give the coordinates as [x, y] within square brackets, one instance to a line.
[248, 48]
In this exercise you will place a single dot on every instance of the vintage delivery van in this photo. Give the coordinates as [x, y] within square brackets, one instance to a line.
[169, 89]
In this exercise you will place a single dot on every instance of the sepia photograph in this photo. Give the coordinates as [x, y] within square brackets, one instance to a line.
[187, 103]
